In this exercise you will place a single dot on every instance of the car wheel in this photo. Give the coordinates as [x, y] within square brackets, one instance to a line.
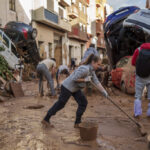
[123, 87]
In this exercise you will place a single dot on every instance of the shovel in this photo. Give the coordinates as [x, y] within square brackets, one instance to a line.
[139, 125]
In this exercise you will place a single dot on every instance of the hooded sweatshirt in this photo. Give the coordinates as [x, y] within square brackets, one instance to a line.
[136, 52]
[89, 51]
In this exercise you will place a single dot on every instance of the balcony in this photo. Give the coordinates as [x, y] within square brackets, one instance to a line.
[65, 3]
[73, 12]
[98, 3]
[50, 18]
[88, 2]
[77, 34]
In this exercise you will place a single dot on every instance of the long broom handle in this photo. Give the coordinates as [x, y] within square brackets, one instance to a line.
[109, 98]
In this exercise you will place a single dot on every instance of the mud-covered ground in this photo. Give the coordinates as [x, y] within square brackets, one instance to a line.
[21, 129]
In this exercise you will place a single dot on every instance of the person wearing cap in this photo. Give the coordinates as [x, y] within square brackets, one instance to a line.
[46, 68]
[90, 50]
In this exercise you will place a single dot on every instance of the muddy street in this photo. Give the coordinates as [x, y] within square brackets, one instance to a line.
[21, 129]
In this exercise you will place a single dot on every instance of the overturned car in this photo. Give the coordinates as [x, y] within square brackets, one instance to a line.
[23, 36]
[121, 41]
[124, 31]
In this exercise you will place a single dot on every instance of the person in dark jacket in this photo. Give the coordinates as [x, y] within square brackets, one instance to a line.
[72, 87]
[141, 82]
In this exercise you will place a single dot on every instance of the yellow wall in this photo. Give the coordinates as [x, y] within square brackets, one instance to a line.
[44, 33]
[100, 11]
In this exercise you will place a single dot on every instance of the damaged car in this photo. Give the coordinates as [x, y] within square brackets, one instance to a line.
[139, 25]
[116, 37]
[123, 76]
[23, 36]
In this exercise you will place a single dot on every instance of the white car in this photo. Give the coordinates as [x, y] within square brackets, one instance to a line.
[139, 20]
[6, 50]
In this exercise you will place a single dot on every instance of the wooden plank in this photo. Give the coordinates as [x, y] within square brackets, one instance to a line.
[3, 81]
[17, 89]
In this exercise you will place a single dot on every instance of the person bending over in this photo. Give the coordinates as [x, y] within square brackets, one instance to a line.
[72, 86]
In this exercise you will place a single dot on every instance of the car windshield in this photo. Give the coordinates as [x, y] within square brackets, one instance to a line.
[122, 62]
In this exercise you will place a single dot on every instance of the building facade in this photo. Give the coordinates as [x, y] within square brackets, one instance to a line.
[49, 17]
[63, 26]
[95, 25]
[77, 38]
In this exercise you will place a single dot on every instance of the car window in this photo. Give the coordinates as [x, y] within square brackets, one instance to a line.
[6, 41]
[122, 62]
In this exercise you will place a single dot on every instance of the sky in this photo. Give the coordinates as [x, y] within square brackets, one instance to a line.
[120, 3]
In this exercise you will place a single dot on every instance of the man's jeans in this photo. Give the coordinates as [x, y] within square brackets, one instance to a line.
[43, 71]
[63, 99]
[140, 83]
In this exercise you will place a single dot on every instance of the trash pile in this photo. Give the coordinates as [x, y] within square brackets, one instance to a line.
[18, 58]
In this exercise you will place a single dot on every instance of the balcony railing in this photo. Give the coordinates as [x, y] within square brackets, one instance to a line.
[65, 3]
[76, 33]
[73, 12]
[50, 18]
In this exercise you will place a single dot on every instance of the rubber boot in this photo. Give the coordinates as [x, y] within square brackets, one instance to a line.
[137, 108]
[148, 110]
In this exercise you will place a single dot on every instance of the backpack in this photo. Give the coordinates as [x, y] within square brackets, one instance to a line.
[143, 63]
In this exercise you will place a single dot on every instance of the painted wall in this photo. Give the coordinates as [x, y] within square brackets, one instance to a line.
[22, 12]
[91, 27]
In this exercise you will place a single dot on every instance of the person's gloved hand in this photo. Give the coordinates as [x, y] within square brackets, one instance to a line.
[104, 93]
[88, 79]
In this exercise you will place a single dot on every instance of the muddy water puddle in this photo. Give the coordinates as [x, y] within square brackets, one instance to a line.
[21, 129]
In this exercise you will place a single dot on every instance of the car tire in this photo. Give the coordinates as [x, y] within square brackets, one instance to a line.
[123, 87]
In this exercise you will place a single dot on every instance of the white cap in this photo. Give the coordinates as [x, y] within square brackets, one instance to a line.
[94, 41]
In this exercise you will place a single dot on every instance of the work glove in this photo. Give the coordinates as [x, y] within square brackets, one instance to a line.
[88, 79]
[104, 93]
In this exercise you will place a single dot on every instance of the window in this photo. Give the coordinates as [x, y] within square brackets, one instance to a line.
[84, 9]
[102, 41]
[73, 1]
[101, 27]
[80, 6]
[80, 26]
[84, 28]
[61, 13]
[12, 5]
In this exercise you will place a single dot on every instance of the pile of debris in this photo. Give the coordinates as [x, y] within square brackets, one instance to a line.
[5, 75]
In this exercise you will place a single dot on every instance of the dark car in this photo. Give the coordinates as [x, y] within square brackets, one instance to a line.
[23, 35]
[117, 42]
[118, 16]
